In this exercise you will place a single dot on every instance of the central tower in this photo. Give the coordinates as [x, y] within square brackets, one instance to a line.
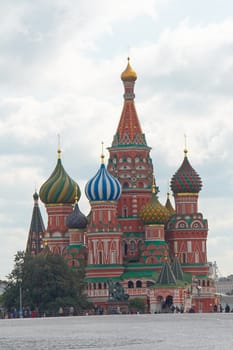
[131, 164]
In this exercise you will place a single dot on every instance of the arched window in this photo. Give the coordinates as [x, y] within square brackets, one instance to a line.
[100, 258]
[149, 283]
[99, 285]
[125, 185]
[139, 284]
[125, 212]
[94, 286]
[140, 245]
[132, 245]
[130, 284]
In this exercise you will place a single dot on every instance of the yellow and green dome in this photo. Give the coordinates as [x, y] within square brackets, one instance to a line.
[59, 188]
[154, 212]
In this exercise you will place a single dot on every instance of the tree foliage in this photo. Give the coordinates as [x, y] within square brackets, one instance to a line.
[47, 283]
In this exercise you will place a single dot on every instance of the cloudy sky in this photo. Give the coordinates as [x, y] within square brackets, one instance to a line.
[60, 66]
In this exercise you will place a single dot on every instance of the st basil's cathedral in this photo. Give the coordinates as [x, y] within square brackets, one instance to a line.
[154, 251]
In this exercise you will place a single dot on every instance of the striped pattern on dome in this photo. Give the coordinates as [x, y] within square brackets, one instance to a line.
[154, 212]
[103, 186]
[186, 179]
[59, 188]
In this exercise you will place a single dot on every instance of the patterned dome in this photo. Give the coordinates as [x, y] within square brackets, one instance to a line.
[129, 73]
[76, 219]
[186, 179]
[103, 186]
[59, 188]
[154, 212]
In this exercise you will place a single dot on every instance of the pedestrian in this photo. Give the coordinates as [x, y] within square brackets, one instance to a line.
[60, 311]
[227, 308]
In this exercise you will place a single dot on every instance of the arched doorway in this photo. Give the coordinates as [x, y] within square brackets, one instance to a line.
[168, 302]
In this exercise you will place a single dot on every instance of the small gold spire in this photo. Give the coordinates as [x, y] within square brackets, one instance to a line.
[102, 154]
[153, 184]
[59, 147]
[76, 195]
[185, 145]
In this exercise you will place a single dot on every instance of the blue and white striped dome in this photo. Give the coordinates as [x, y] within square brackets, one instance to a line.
[103, 186]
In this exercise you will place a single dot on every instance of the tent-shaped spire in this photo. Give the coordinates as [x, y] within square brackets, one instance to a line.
[177, 270]
[37, 229]
[166, 275]
[129, 132]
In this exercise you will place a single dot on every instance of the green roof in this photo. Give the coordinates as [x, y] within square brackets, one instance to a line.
[101, 279]
[103, 266]
[147, 243]
[151, 274]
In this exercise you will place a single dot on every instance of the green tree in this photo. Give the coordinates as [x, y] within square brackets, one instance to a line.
[48, 283]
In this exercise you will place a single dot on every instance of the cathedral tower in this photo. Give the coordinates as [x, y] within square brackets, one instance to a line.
[131, 164]
[104, 238]
[186, 231]
[37, 230]
[58, 194]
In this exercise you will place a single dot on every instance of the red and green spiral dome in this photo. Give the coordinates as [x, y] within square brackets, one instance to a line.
[186, 179]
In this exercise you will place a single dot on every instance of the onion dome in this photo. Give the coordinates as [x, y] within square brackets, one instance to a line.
[186, 179]
[103, 186]
[76, 219]
[46, 250]
[59, 188]
[154, 212]
[129, 73]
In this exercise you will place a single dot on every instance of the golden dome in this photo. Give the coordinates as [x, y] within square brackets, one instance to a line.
[154, 212]
[129, 73]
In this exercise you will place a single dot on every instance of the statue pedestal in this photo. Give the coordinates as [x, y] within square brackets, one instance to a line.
[117, 307]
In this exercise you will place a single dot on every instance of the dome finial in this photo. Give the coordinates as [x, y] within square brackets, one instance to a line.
[102, 153]
[59, 147]
[185, 145]
[76, 195]
[155, 188]
[154, 185]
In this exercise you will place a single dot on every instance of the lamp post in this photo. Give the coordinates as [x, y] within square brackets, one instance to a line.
[20, 280]
[20, 300]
